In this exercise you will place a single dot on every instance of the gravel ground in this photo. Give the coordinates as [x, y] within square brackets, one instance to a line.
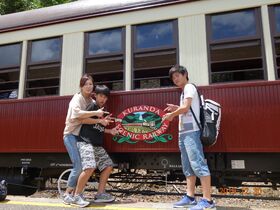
[225, 202]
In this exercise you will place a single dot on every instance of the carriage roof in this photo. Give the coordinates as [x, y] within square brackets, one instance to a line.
[76, 11]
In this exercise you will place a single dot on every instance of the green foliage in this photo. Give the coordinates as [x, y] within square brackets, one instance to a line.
[12, 6]
[164, 138]
[147, 116]
[47, 3]
[122, 139]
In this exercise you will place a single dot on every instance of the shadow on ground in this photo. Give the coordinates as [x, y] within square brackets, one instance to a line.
[231, 208]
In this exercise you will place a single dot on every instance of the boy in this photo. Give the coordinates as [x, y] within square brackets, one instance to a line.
[90, 145]
[192, 157]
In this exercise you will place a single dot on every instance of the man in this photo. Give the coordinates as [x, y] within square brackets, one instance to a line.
[192, 157]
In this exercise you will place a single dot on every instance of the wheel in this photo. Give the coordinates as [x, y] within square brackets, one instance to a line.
[18, 183]
[62, 181]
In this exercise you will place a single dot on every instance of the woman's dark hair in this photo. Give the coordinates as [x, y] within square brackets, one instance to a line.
[84, 79]
[180, 69]
[102, 89]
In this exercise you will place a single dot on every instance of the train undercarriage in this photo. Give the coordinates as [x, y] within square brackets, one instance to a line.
[26, 173]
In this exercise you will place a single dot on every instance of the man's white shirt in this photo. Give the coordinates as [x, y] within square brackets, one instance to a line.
[187, 122]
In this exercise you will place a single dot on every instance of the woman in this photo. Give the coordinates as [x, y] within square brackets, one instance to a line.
[76, 113]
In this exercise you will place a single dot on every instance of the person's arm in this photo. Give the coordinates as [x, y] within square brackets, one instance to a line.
[78, 113]
[171, 107]
[112, 131]
[184, 108]
[87, 114]
[91, 121]
[90, 112]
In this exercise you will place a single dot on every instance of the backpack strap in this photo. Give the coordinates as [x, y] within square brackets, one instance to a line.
[200, 105]
[199, 95]
[200, 128]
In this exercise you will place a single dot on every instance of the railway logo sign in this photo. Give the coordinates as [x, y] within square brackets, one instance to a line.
[142, 123]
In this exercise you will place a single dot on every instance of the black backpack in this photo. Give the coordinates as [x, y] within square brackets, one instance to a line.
[3, 190]
[210, 118]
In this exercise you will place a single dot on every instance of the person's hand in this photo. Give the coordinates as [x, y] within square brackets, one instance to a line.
[167, 116]
[114, 131]
[105, 121]
[100, 112]
[109, 116]
[171, 108]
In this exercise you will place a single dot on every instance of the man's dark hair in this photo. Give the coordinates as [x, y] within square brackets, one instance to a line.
[180, 69]
[102, 89]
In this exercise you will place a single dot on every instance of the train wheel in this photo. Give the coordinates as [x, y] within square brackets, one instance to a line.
[19, 181]
[62, 181]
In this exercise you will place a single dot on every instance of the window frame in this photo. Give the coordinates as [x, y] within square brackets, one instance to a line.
[174, 35]
[12, 68]
[20, 55]
[153, 51]
[86, 51]
[106, 56]
[42, 64]
[29, 62]
[274, 35]
[243, 39]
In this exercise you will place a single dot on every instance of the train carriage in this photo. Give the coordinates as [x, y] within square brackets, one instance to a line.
[231, 51]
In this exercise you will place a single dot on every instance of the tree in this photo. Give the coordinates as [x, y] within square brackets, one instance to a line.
[47, 3]
[11, 6]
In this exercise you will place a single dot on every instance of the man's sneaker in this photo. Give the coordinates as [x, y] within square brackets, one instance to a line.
[203, 204]
[67, 199]
[79, 201]
[184, 202]
[104, 198]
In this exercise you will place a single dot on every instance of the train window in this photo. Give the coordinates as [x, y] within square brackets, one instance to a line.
[275, 31]
[232, 25]
[154, 35]
[102, 42]
[43, 67]
[154, 52]
[235, 46]
[9, 70]
[46, 50]
[277, 18]
[105, 57]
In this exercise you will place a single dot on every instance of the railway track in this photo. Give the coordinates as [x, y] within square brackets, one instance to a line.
[153, 188]
[139, 183]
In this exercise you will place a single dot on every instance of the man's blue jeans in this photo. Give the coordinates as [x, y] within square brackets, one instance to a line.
[192, 156]
[70, 142]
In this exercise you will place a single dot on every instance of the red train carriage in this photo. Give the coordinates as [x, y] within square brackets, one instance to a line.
[231, 48]
[248, 147]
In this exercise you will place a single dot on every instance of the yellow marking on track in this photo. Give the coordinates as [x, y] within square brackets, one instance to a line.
[92, 206]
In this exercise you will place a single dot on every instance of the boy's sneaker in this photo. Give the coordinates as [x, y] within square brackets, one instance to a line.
[67, 199]
[79, 201]
[203, 204]
[184, 202]
[103, 198]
